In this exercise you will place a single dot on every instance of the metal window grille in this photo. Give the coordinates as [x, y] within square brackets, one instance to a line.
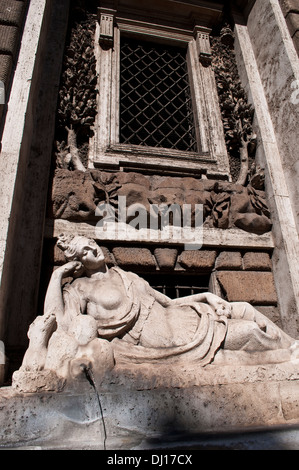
[155, 99]
[175, 286]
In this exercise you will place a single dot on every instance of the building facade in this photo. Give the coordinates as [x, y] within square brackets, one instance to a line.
[174, 116]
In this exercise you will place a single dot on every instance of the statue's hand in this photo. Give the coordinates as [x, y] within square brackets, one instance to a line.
[71, 268]
[220, 306]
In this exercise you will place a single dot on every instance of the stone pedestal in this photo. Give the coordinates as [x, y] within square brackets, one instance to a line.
[138, 409]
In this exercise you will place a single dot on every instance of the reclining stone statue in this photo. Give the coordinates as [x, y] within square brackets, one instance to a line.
[106, 317]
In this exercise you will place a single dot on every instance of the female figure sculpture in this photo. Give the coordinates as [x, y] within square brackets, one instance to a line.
[108, 316]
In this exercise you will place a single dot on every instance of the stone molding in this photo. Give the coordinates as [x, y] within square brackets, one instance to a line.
[256, 73]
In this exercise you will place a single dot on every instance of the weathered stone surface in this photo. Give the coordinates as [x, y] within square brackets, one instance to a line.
[296, 41]
[11, 12]
[272, 313]
[166, 257]
[257, 261]
[134, 257]
[200, 260]
[288, 6]
[224, 399]
[269, 68]
[229, 260]
[5, 68]
[292, 20]
[289, 404]
[225, 205]
[254, 287]
[9, 36]
[75, 195]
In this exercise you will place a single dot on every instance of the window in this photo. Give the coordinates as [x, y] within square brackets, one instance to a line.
[158, 106]
[155, 97]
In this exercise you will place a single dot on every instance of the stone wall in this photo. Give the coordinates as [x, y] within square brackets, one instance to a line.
[27, 141]
[268, 67]
[12, 14]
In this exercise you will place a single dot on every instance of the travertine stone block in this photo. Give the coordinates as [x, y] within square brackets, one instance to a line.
[290, 406]
[5, 68]
[254, 287]
[12, 12]
[9, 36]
[257, 262]
[134, 257]
[200, 259]
[229, 260]
[166, 257]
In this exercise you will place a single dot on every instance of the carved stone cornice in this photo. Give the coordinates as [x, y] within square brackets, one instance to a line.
[178, 13]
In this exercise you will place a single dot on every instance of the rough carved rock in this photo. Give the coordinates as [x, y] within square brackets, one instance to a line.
[134, 258]
[75, 196]
[257, 262]
[198, 260]
[229, 260]
[235, 286]
[166, 257]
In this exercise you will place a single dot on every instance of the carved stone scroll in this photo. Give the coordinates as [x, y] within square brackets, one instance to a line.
[106, 20]
[204, 47]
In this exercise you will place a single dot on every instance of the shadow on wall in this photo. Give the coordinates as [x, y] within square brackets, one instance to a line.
[240, 416]
[175, 436]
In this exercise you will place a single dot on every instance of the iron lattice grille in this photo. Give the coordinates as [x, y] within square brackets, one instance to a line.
[155, 100]
[176, 286]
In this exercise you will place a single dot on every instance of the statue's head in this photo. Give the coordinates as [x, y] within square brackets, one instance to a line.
[83, 249]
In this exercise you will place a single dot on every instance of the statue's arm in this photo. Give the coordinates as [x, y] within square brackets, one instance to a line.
[162, 299]
[220, 306]
[54, 299]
